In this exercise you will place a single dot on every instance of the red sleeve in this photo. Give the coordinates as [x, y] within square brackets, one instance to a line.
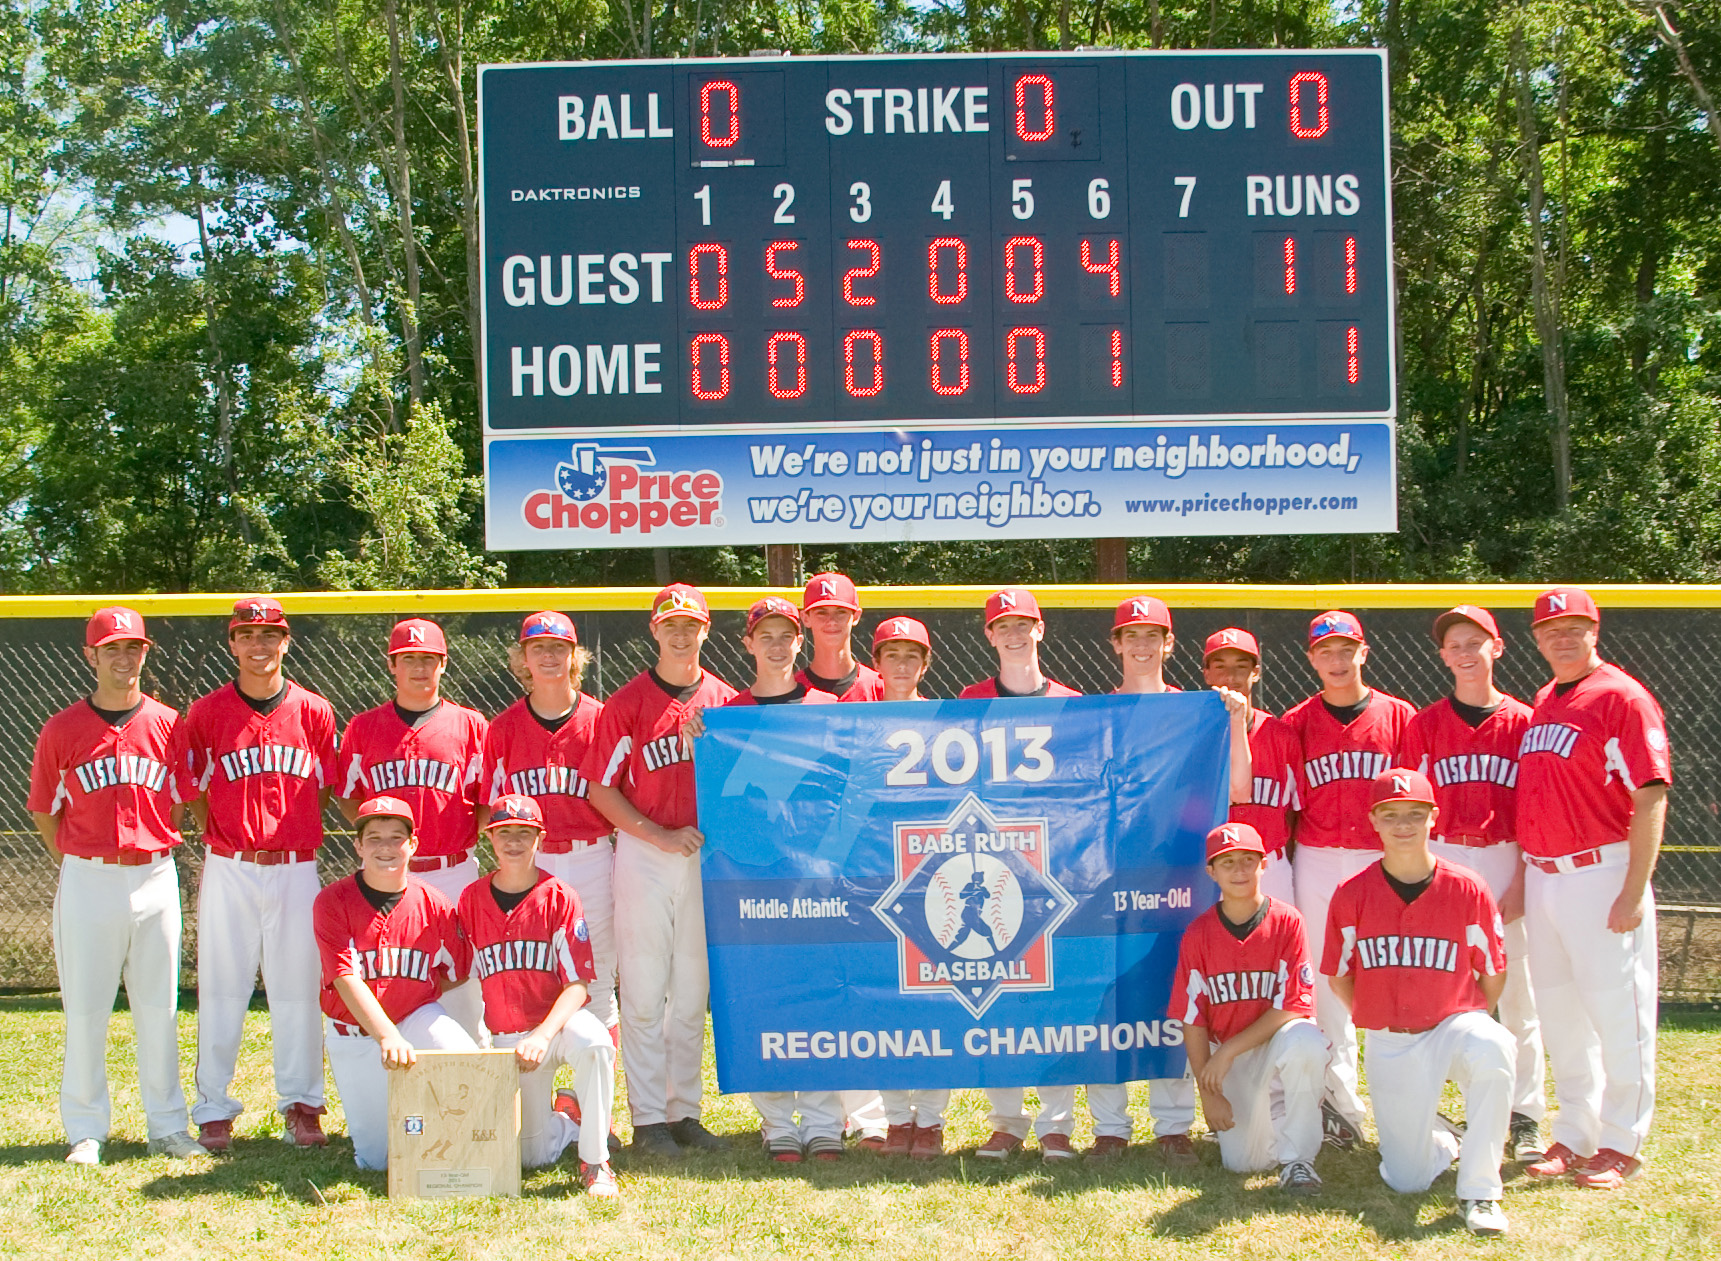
[459, 944]
[1487, 935]
[182, 757]
[325, 736]
[1640, 741]
[1413, 749]
[475, 791]
[1335, 957]
[610, 738]
[575, 957]
[1188, 990]
[45, 773]
[334, 940]
[1299, 995]
[349, 764]
[490, 771]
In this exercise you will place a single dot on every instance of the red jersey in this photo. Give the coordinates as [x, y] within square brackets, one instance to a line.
[866, 685]
[1415, 963]
[407, 957]
[987, 689]
[1339, 766]
[1225, 985]
[808, 696]
[522, 755]
[433, 767]
[1276, 760]
[1581, 758]
[1474, 770]
[526, 957]
[262, 773]
[108, 785]
[638, 746]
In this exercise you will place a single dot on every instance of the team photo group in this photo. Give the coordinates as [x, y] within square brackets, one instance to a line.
[1465, 886]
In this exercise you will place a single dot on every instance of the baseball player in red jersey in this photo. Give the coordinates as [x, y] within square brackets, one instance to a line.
[99, 796]
[425, 751]
[640, 767]
[1231, 658]
[1414, 948]
[532, 952]
[1467, 745]
[1349, 734]
[390, 946]
[1593, 773]
[830, 608]
[255, 761]
[1245, 994]
[537, 747]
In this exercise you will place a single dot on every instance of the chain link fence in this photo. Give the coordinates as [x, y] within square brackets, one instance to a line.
[341, 656]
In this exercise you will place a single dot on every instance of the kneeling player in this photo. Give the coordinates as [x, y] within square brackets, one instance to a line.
[1416, 951]
[389, 945]
[1243, 981]
[533, 955]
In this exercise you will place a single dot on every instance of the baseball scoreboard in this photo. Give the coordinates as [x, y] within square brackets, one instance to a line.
[828, 283]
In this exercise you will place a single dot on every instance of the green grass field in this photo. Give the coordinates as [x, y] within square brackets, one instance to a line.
[265, 1200]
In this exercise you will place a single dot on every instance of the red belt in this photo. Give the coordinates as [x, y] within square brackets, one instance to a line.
[346, 1030]
[268, 857]
[125, 857]
[568, 847]
[437, 862]
[1469, 842]
[1586, 858]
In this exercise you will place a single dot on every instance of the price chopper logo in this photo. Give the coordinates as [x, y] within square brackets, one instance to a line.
[609, 489]
[974, 905]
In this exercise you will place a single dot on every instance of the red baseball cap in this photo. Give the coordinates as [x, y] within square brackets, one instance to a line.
[824, 590]
[1231, 637]
[383, 808]
[680, 600]
[1142, 610]
[515, 808]
[1564, 602]
[1335, 624]
[1464, 613]
[772, 606]
[903, 628]
[1012, 602]
[1400, 784]
[116, 622]
[547, 624]
[1234, 838]
[417, 634]
[257, 610]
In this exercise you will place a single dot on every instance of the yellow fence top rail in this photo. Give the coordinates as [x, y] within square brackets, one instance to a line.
[1312, 598]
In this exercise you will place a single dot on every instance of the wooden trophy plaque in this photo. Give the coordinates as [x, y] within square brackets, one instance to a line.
[454, 1126]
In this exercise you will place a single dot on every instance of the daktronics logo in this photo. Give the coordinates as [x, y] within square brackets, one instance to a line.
[615, 490]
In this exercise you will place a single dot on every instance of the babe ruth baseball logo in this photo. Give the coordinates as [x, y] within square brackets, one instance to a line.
[974, 905]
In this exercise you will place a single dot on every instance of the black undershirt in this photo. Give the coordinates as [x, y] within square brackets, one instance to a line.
[836, 687]
[1560, 689]
[383, 902]
[1475, 715]
[1345, 715]
[1241, 931]
[682, 694]
[264, 707]
[796, 697]
[1408, 890]
[553, 725]
[415, 718]
[508, 901]
[116, 717]
[1004, 691]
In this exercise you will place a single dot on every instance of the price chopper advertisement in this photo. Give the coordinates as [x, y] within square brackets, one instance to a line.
[954, 893]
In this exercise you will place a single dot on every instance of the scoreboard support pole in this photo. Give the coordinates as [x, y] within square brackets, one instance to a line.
[1111, 560]
[783, 564]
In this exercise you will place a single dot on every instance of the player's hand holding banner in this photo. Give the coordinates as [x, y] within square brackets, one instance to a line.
[954, 894]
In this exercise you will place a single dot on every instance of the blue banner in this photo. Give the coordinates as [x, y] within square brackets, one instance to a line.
[954, 893]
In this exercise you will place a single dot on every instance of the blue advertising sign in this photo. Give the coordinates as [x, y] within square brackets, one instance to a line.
[933, 250]
[954, 893]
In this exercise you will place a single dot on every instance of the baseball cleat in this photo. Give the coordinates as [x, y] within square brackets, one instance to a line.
[655, 1140]
[872, 1142]
[1298, 1177]
[928, 1142]
[1483, 1217]
[568, 1105]
[215, 1136]
[180, 1146]
[302, 1126]
[825, 1147]
[1524, 1139]
[86, 1151]
[1108, 1147]
[599, 1180]
[1177, 1149]
[785, 1150]
[1607, 1170]
[999, 1146]
[1557, 1162]
[1335, 1130]
[688, 1132]
[899, 1141]
[1056, 1147]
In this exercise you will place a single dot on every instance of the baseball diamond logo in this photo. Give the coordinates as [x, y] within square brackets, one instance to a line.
[974, 905]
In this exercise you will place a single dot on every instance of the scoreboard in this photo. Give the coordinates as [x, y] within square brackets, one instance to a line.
[781, 255]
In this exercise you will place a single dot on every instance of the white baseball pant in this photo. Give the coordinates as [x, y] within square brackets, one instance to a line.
[1171, 1102]
[355, 1059]
[664, 978]
[922, 1108]
[114, 923]
[1496, 865]
[585, 1046]
[1277, 880]
[1319, 871]
[589, 870]
[250, 915]
[821, 1114]
[1406, 1072]
[1596, 992]
[864, 1112]
[1294, 1060]
[465, 1002]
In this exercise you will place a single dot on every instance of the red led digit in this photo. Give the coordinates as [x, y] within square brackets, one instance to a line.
[1350, 264]
[1299, 119]
[862, 273]
[1011, 247]
[932, 284]
[1290, 265]
[1107, 266]
[1047, 124]
[1117, 359]
[785, 273]
[1353, 368]
[775, 345]
[696, 357]
[939, 384]
[850, 384]
[694, 293]
[1012, 362]
[733, 130]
